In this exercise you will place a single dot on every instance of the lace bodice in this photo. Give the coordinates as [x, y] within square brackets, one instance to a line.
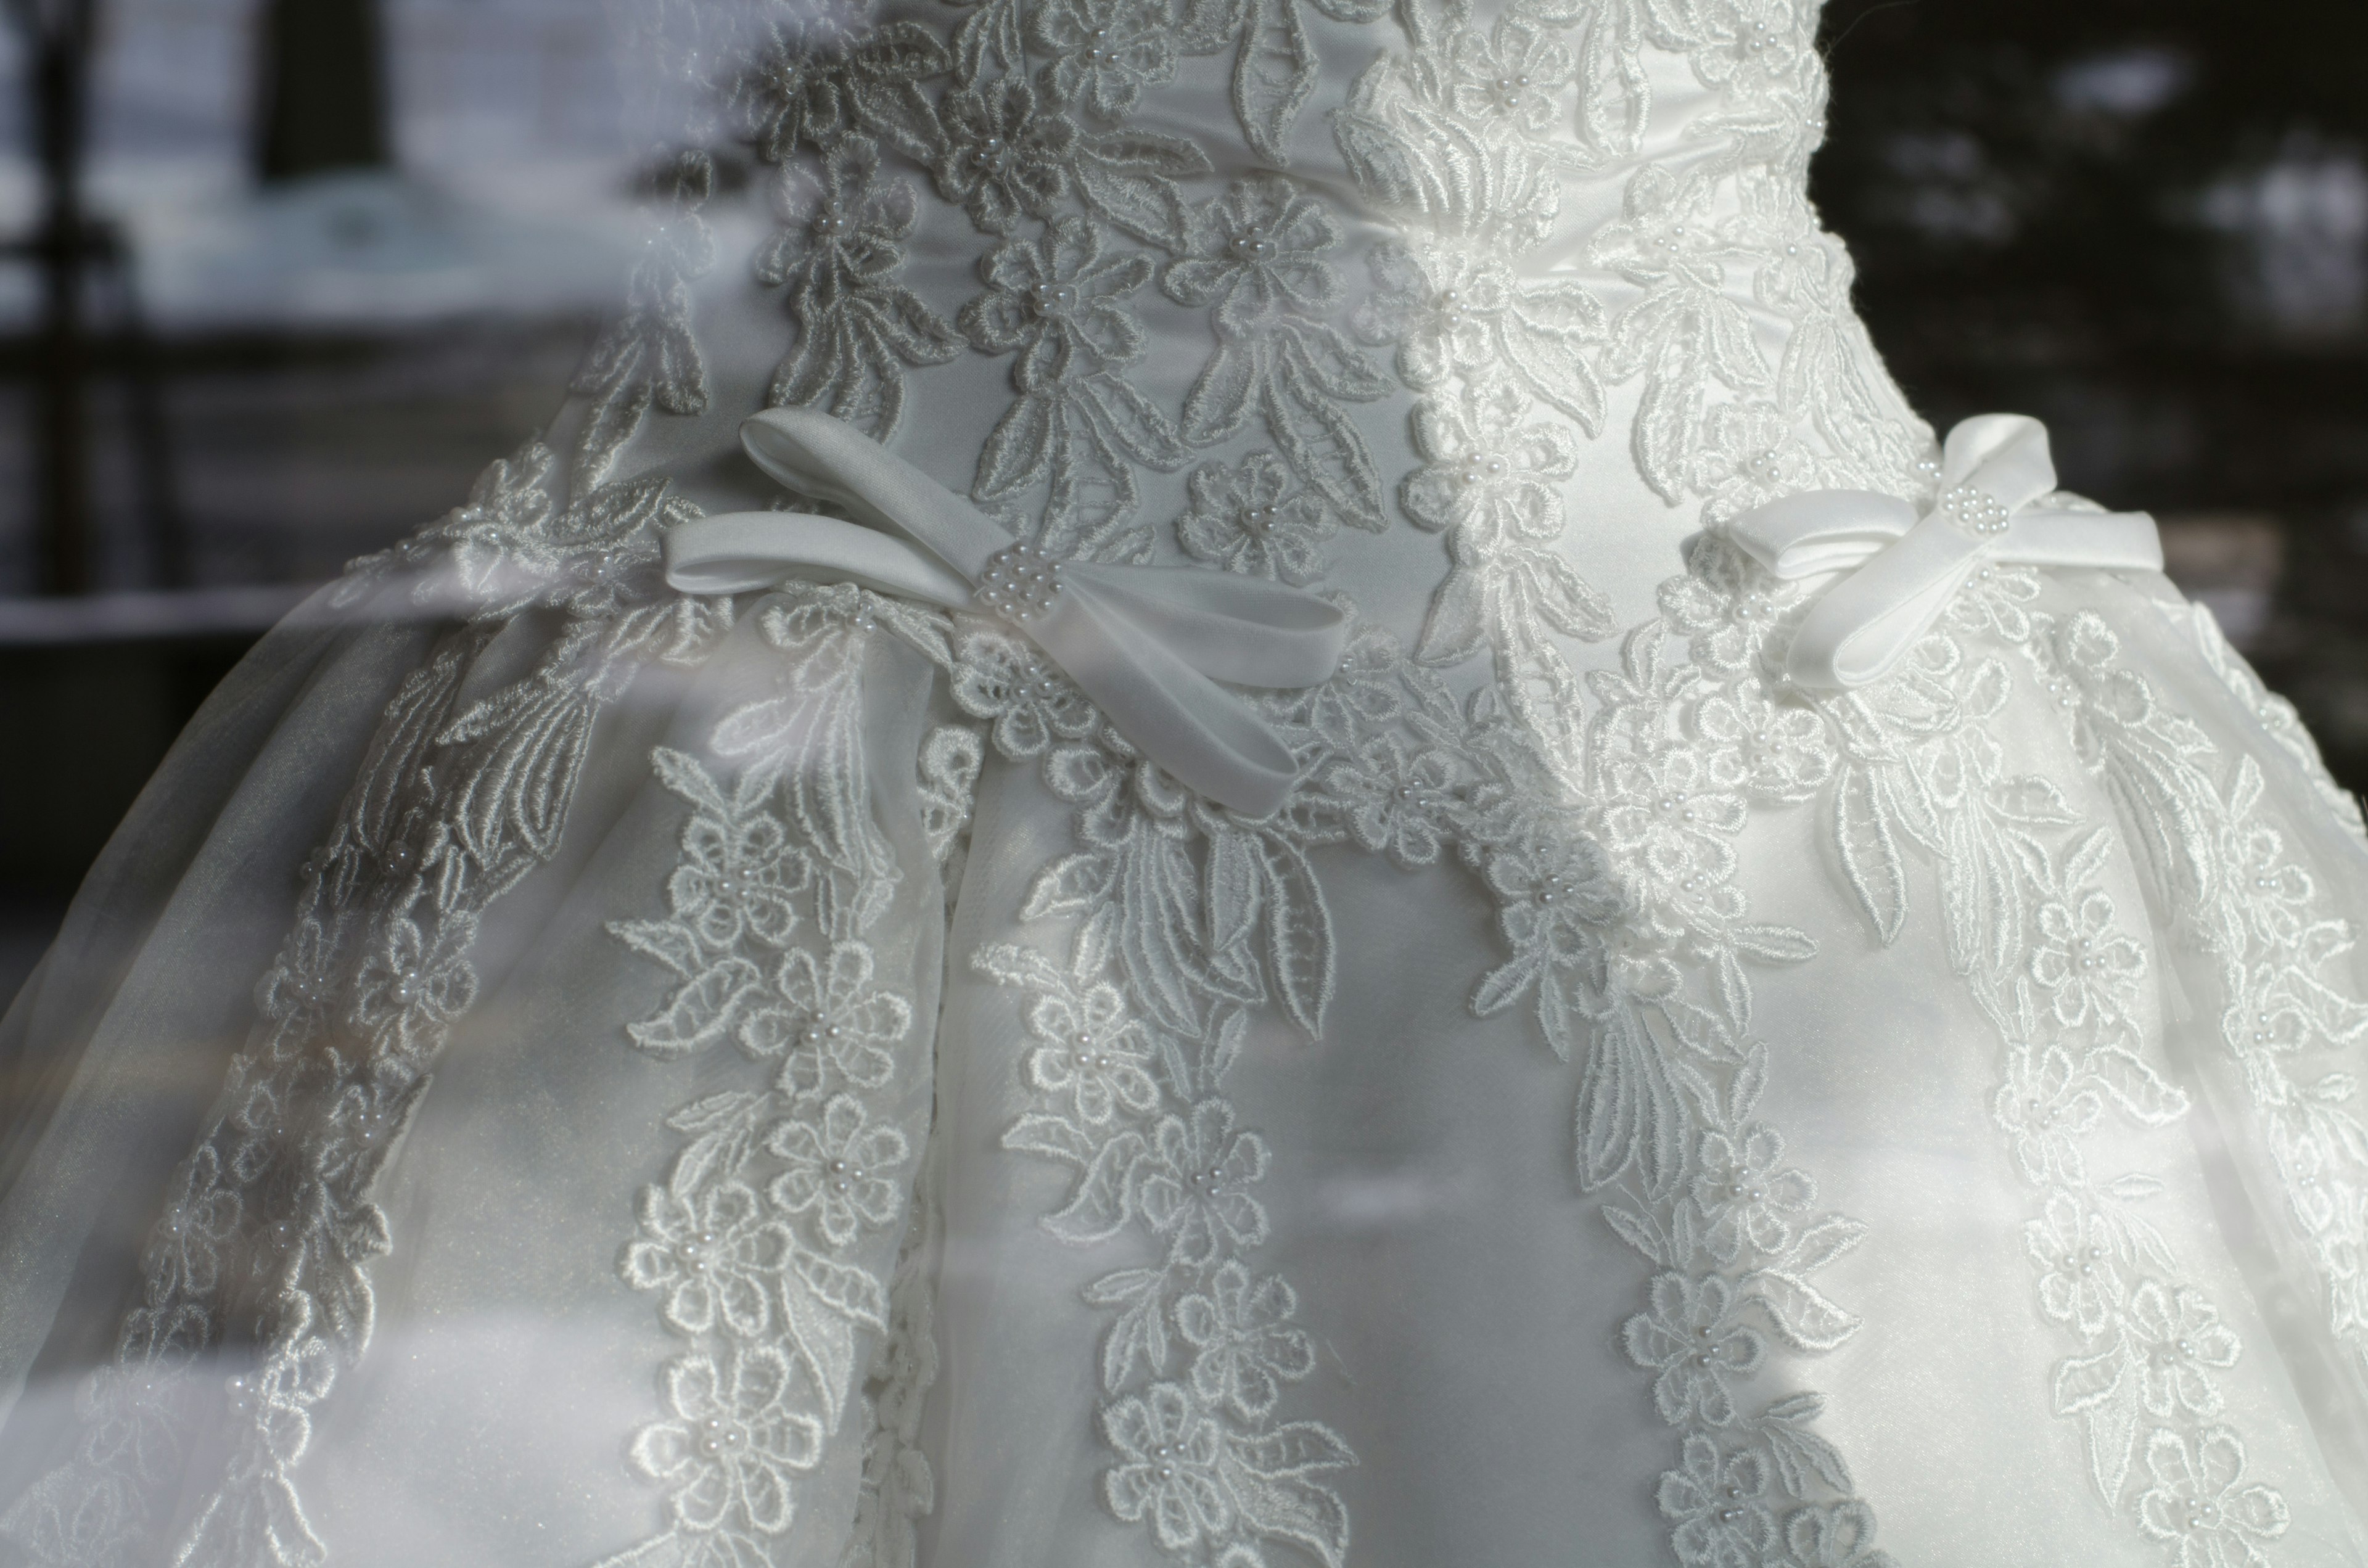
[1257, 284]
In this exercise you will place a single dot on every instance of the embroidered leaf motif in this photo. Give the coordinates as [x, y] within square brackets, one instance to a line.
[702, 1011]
[1805, 1459]
[1272, 1476]
[1821, 1243]
[1273, 74]
[2136, 1088]
[1138, 1340]
[1806, 1318]
[1299, 934]
[1630, 1115]
[1869, 850]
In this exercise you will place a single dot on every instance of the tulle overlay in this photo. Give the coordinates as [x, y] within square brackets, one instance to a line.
[558, 1069]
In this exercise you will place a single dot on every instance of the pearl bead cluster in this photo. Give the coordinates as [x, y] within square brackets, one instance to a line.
[1019, 583]
[1489, 470]
[718, 1438]
[1556, 887]
[696, 1251]
[1975, 510]
[1053, 298]
[1087, 1057]
[1099, 54]
[1252, 246]
[596, 566]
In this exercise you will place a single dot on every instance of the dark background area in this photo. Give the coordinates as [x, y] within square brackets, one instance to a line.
[349, 249]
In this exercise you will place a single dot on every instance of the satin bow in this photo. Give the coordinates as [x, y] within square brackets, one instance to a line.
[1904, 568]
[1147, 643]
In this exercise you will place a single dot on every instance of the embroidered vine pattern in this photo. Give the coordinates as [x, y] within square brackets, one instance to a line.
[1605, 829]
[2031, 926]
[2217, 860]
[258, 1261]
[770, 1242]
[1131, 1033]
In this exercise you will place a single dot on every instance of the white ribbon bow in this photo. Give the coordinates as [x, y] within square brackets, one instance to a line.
[1147, 643]
[1903, 568]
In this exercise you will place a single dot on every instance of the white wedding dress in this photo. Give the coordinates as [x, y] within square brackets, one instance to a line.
[1631, 1024]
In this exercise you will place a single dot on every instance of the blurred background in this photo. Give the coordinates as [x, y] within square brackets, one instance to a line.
[278, 277]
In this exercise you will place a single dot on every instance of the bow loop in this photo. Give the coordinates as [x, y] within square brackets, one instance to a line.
[1901, 569]
[1147, 643]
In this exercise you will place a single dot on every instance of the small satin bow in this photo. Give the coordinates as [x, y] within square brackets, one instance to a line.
[1903, 568]
[1147, 643]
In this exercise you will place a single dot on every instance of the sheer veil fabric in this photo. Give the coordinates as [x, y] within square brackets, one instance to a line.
[562, 1068]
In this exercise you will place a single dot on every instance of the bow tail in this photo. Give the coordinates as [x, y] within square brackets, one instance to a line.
[1243, 630]
[1866, 624]
[1207, 737]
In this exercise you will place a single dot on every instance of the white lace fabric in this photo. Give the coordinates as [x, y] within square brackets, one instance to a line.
[781, 1080]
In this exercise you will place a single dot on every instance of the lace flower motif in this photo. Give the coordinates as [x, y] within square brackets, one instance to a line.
[1553, 896]
[1667, 817]
[1454, 308]
[2086, 967]
[1394, 802]
[1002, 154]
[1690, 1337]
[838, 1171]
[1032, 705]
[1196, 1181]
[1719, 1504]
[834, 1011]
[1257, 253]
[734, 1441]
[1246, 1348]
[200, 1216]
[2180, 1342]
[1489, 472]
[414, 983]
[1169, 1474]
[2199, 1502]
[808, 85]
[1770, 752]
[1105, 51]
[2046, 1106]
[1513, 76]
[2073, 1247]
[1725, 606]
[1255, 519]
[839, 245]
[1058, 302]
[737, 877]
[1092, 1050]
[842, 231]
[1745, 1196]
[714, 1254]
